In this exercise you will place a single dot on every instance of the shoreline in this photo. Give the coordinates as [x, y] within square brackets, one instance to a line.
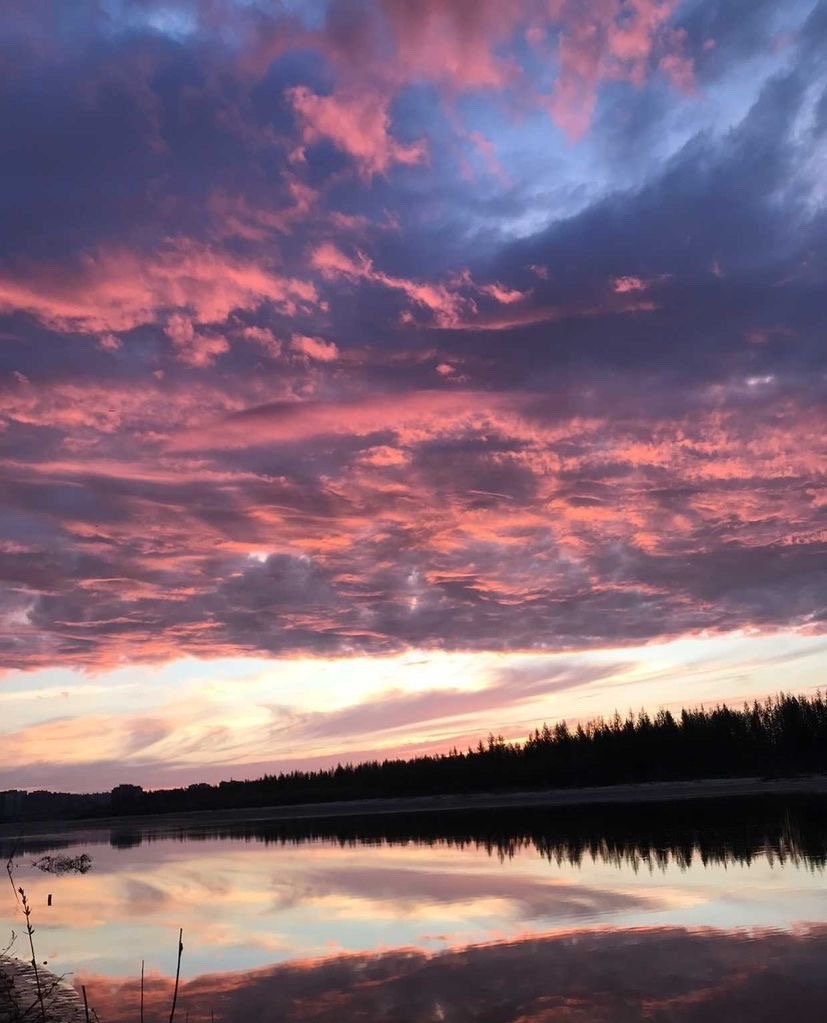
[616, 795]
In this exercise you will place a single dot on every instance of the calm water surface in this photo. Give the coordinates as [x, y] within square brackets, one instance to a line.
[704, 911]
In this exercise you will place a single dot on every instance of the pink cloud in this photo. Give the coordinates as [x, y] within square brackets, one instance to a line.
[455, 44]
[451, 306]
[115, 290]
[109, 343]
[314, 348]
[513, 484]
[193, 347]
[606, 40]
[632, 31]
[384, 457]
[461, 47]
[92, 414]
[626, 285]
[421, 413]
[504, 295]
[264, 338]
[764, 335]
[678, 68]
[358, 123]
[348, 222]
[531, 315]
[449, 372]
[485, 147]
[234, 216]
[446, 305]
[332, 262]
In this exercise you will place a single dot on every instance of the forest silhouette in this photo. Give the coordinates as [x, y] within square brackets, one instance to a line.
[784, 735]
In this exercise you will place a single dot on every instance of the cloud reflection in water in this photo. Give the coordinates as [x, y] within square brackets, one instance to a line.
[674, 974]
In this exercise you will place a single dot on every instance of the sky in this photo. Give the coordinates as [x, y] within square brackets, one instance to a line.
[375, 375]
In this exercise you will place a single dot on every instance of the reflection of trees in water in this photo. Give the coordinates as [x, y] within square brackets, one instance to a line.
[125, 839]
[653, 836]
[32, 845]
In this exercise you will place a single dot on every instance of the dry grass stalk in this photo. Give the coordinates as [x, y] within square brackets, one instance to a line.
[177, 975]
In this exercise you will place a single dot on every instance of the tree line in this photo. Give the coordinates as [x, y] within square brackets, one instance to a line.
[782, 735]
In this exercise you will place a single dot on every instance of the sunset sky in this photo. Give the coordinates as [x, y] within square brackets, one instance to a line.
[374, 375]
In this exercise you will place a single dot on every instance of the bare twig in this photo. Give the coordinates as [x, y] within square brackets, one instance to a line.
[27, 913]
[142, 991]
[10, 870]
[5, 951]
[177, 974]
[23, 903]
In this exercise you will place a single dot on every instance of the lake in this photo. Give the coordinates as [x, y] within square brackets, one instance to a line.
[713, 910]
